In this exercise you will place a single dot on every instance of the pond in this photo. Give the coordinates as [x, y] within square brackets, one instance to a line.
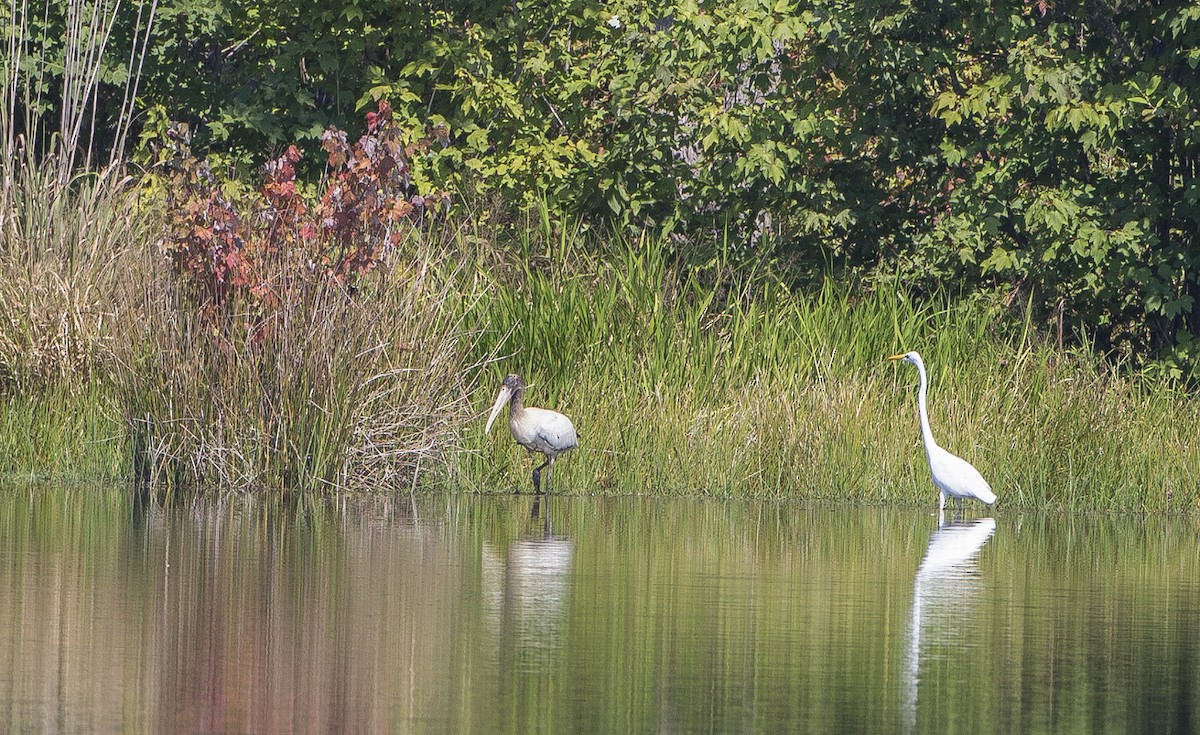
[468, 614]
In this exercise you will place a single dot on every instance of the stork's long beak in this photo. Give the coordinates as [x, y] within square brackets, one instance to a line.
[501, 399]
[896, 357]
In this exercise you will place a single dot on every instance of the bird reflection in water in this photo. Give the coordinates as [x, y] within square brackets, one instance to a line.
[943, 592]
[527, 588]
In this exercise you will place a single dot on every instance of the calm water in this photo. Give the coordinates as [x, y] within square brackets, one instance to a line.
[467, 615]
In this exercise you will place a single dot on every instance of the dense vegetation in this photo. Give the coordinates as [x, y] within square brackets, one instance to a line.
[1046, 150]
[697, 229]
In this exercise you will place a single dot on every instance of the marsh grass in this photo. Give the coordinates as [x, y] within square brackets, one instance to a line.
[66, 258]
[707, 379]
[683, 380]
[69, 251]
[71, 237]
[68, 228]
[64, 434]
[69, 244]
[346, 391]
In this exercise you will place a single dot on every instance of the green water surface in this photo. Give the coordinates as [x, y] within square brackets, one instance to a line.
[466, 614]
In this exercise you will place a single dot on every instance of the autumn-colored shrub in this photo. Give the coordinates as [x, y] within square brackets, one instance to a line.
[248, 252]
[286, 345]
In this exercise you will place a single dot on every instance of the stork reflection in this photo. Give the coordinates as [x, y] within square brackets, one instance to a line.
[527, 586]
[943, 592]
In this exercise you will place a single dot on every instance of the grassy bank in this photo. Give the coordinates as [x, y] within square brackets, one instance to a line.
[677, 387]
[187, 333]
[704, 379]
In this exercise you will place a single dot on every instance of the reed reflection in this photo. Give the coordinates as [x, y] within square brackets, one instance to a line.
[943, 592]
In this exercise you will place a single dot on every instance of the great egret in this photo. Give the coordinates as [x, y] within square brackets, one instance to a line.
[953, 476]
[536, 429]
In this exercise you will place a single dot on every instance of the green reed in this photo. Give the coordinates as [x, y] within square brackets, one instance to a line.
[709, 377]
[685, 380]
[67, 434]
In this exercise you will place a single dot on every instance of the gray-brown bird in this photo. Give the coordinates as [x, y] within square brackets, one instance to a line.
[537, 429]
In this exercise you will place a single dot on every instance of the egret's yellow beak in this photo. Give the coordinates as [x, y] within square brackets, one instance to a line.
[896, 357]
[501, 399]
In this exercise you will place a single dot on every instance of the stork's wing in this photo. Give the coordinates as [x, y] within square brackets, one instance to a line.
[554, 430]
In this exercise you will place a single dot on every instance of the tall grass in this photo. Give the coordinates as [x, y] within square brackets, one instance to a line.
[711, 378]
[69, 254]
[346, 391]
[684, 380]
[66, 229]
[70, 434]
[71, 241]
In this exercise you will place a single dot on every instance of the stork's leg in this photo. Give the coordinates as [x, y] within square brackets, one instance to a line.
[537, 474]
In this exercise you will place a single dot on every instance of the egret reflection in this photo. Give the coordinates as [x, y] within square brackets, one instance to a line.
[943, 592]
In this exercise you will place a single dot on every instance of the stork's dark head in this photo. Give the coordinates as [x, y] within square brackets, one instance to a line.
[511, 389]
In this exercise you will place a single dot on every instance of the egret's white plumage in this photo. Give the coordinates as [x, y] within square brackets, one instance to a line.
[537, 429]
[953, 476]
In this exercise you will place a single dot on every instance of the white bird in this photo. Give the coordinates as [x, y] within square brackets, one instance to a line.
[953, 476]
[536, 429]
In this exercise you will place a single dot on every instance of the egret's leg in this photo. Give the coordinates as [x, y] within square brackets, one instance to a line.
[959, 499]
[941, 503]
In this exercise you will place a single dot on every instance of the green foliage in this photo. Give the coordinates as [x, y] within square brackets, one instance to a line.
[1047, 151]
[1071, 149]
[1044, 150]
[663, 116]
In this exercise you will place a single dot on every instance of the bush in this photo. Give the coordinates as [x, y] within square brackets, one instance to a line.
[287, 349]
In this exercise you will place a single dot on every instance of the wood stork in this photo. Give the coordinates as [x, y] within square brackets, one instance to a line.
[536, 429]
[953, 476]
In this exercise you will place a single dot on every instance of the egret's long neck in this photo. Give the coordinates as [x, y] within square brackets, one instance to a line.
[926, 432]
